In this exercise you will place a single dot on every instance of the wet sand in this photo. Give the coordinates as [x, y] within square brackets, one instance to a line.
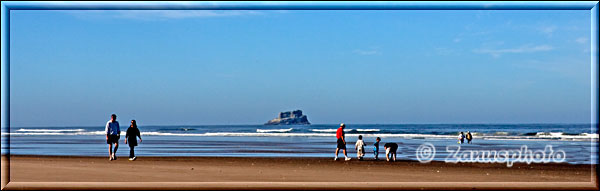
[37, 172]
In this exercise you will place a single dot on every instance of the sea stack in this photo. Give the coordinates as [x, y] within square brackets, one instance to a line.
[290, 118]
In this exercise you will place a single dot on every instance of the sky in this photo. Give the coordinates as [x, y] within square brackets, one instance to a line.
[232, 67]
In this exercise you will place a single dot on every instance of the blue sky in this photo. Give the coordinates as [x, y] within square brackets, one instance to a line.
[71, 68]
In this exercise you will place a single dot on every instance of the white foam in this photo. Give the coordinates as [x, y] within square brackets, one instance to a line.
[61, 133]
[501, 133]
[273, 130]
[541, 133]
[272, 134]
[413, 136]
[593, 135]
[49, 130]
[561, 135]
[368, 130]
[329, 130]
[556, 134]
[284, 133]
[316, 135]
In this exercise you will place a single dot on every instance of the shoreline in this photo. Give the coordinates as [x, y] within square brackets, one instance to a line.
[341, 156]
[39, 172]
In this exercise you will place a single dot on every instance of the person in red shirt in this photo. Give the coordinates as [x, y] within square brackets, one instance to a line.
[341, 142]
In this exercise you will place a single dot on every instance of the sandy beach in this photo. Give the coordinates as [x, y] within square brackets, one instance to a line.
[30, 172]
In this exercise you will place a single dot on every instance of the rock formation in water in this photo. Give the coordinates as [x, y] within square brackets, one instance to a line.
[290, 118]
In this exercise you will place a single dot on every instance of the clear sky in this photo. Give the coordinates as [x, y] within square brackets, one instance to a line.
[71, 68]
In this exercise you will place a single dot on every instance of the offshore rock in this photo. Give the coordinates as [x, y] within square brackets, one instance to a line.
[290, 118]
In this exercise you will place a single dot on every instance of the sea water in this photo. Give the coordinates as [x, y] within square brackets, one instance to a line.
[578, 141]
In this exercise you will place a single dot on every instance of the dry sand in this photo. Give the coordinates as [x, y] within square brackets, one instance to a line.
[38, 172]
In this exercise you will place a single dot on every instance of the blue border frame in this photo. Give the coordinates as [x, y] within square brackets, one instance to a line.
[304, 5]
[594, 71]
[6, 7]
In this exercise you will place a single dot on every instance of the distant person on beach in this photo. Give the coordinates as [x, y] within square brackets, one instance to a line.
[113, 133]
[360, 148]
[341, 142]
[376, 148]
[461, 138]
[132, 133]
[390, 151]
[469, 137]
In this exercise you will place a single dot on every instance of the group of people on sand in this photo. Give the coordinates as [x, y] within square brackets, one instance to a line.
[113, 134]
[390, 148]
[462, 137]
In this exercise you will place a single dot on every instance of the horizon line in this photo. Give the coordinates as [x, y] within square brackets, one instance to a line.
[347, 124]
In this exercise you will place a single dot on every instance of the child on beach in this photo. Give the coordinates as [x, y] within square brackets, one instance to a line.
[376, 148]
[360, 148]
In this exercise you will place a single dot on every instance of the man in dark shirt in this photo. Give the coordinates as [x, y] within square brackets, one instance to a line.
[390, 149]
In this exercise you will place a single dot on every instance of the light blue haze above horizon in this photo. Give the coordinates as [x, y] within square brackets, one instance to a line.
[244, 67]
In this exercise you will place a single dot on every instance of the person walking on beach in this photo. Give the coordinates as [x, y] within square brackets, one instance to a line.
[113, 133]
[461, 138]
[132, 133]
[360, 148]
[390, 151]
[376, 148]
[341, 142]
[469, 137]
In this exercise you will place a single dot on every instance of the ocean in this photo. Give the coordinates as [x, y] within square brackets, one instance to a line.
[578, 141]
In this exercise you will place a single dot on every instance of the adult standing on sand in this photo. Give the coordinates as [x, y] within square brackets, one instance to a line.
[131, 135]
[113, 132]
[341, 142]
